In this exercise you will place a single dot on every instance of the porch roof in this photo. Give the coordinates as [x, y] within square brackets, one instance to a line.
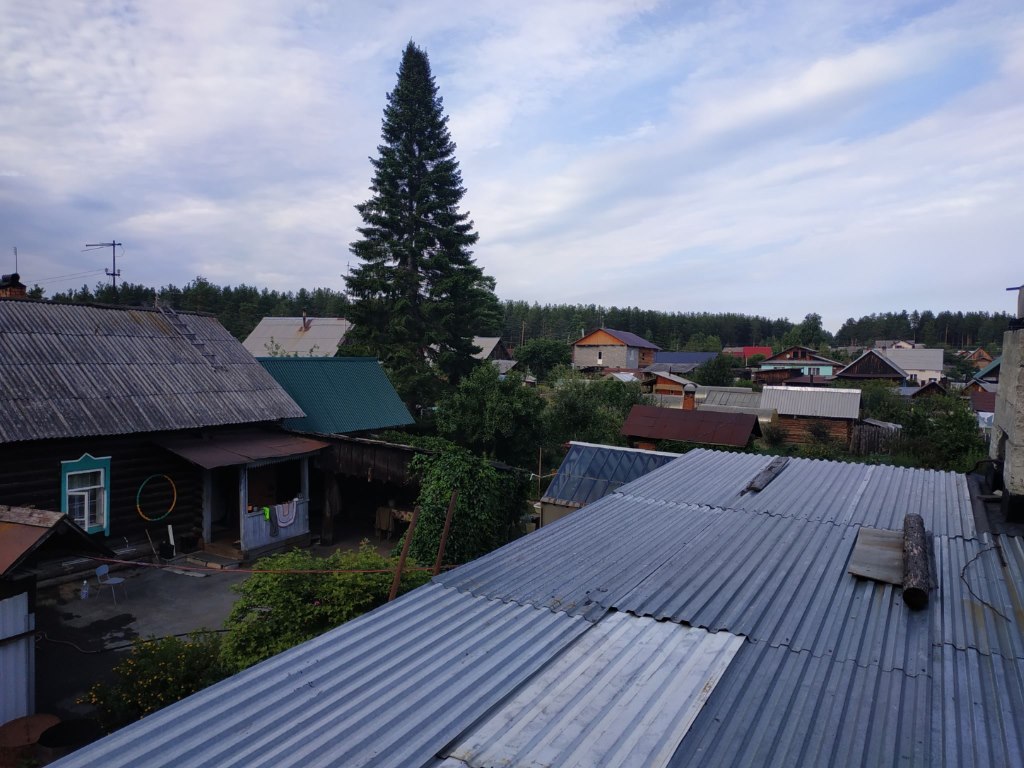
[228, 449]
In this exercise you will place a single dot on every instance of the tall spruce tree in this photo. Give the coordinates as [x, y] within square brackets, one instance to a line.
[418, 296]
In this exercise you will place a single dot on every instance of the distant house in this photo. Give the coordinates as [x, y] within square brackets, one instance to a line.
[491, 348]
[792, 362]
[978, 356]
[130, 420]
[977, 385]
[297, 336]
[922, 365]
[874, 366]
[608, 348]
[925, 390]
[745, 353]
[990, 373]
[590, 472]
[896, 344]
[646, 425]
[659, 383]
[809, 415]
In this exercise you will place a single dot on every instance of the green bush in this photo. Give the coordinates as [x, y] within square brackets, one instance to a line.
[156, 673]
[276, 611]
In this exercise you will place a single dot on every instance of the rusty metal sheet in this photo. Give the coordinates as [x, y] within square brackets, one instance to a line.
[878, 555]
[707, 427]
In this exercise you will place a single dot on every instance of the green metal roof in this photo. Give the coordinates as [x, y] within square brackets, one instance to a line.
[990, 369]
[339, 395]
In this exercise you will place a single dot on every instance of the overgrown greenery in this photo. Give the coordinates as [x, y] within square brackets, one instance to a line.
[488, 512]
[589, 410]
[418, 296]
[716, 372]
[276, 611]
[495, 418]
[542, 356]
[157, 672]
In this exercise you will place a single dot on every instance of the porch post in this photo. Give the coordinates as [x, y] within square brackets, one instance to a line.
[304, 470]
[243, 503]
[207, 505]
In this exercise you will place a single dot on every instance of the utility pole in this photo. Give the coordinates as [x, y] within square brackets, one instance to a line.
[113, 273]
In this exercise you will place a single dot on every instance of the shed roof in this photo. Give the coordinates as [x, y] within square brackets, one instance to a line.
[24, 530]
[983, 402]
[735, 396]
[587, 639]
[317, 337]
[339, 394]
[990, 371]
[699, 426]
[589, 472]
[75, 370]
[812, 401]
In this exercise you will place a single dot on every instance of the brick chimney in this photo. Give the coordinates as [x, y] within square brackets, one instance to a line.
[690, 397]
[11, 287]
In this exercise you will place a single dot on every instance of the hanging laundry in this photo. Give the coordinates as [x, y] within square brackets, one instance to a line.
[287, 512]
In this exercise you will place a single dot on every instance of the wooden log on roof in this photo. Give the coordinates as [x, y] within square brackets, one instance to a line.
[916, 575]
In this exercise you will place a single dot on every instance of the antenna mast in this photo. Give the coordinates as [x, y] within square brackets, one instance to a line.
[113, 273]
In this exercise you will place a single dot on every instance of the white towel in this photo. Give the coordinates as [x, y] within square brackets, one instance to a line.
[286, 513]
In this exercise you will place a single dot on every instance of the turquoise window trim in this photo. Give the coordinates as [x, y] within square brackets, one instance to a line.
[88, 463]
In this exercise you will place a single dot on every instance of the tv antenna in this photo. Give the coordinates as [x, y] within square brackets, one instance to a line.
[113, 273]
[15, 259]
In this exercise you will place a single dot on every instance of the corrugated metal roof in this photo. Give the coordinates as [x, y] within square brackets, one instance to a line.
[338, 394]
[589, 472]
[683, 358]
[624, 694]
[74, 370]
[991, 370]
[708, 427]
[840, 493]
[735, 396]
[319, 337]
[526, 656]
[822, 402]
[391, 688]
[915, 359]
[227, 449]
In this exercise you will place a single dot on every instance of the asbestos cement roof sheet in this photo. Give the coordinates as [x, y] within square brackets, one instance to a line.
[589, 472]
[822, 402]
[390, 688]
[734, 396]
[624, 694]
[77, 370]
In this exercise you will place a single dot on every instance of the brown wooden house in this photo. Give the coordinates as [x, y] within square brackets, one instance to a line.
[130, 420]
[809, 415]
[873, 365]
[646, 425]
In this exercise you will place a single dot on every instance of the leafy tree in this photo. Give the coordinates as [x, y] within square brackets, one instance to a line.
[589, 410]
[418, 295]
[493, 418]
[487, 513]
[704, 342]
[156, 673]
[716, 372]
[276, 611]
[542, 356]
[942, 433]
[880, 400]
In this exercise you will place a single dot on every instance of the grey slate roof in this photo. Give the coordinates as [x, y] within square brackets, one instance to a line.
[590, 472]
[743, 397]
[584, 641]
[915, 359]
[822, 402]
[74, 370]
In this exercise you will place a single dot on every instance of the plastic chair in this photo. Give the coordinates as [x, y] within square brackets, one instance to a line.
[106, 580]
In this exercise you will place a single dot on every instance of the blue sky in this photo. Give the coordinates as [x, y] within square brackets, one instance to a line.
[771, 158]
